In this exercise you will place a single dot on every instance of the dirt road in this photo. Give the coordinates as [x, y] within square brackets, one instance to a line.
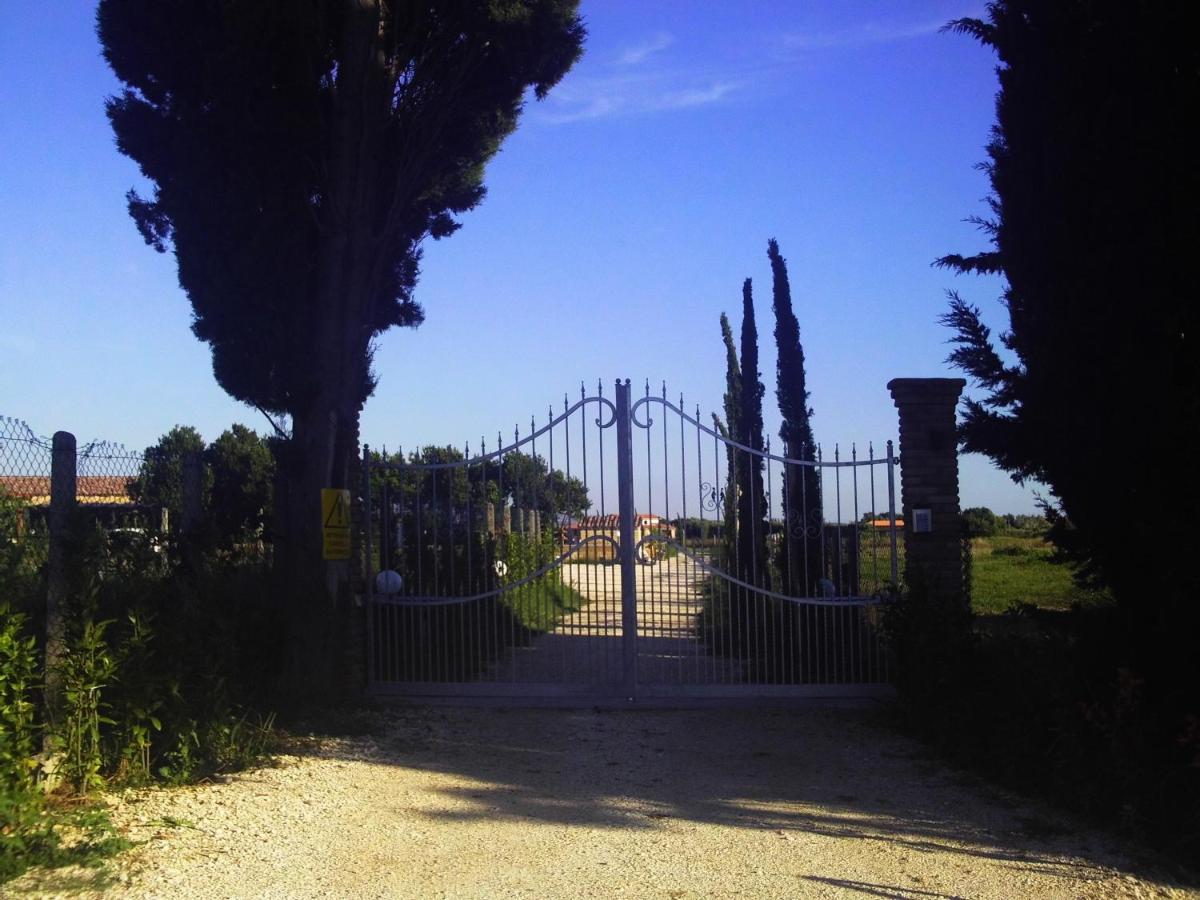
[566, 803]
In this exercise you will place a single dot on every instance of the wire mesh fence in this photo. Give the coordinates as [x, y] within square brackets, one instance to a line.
[24, 500]
[107, 481]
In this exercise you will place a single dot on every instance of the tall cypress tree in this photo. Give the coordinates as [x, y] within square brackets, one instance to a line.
[730, 429]
[801, 550]
[751, 500]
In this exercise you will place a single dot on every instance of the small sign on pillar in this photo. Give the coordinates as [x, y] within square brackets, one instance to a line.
[335, 520]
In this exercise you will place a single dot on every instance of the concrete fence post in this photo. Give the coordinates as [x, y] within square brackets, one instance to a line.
[63, 500]
[929, 483]
[506, 518]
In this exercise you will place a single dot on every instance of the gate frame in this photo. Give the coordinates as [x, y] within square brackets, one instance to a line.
[627, 556]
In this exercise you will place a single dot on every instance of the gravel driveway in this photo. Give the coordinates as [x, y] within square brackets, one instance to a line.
[567, 803]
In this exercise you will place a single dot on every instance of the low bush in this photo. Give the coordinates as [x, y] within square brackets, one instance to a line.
[162, 670]
[1046, 702]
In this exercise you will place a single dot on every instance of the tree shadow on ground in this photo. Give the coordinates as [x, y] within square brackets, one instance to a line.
[819, 772]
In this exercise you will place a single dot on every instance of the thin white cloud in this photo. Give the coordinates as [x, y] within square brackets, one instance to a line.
[596, 98]
[862, 35]
[696, 96]
[639, 53]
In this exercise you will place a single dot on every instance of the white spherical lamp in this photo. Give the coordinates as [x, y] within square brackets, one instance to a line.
[388, 582]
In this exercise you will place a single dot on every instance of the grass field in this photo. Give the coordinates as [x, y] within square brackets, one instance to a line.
[1012, 569]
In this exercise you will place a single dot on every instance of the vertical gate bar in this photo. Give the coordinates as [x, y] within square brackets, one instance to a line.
[891, 467]
[489, 545]
[567, 434]
[855, 580]
[821, 523]
[367, 567]
[774, 610]
[804, 519]
[628, 562]
[600, 439]
[788, 556]
[839, 559]
[683, 483]
[874, 519]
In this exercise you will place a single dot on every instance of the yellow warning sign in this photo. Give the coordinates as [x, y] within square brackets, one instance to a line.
[335, 519]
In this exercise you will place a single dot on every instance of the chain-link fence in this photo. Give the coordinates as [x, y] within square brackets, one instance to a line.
[24, 502]
[107, 476]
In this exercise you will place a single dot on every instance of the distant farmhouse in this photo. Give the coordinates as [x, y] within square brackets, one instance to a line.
[93, 490]
[609, 526]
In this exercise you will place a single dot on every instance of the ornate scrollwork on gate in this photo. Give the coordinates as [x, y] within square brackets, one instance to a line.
[711, 497]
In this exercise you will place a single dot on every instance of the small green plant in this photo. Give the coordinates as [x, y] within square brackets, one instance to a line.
[18, 680]
[140, 700]
[88, 667]
[32, 834]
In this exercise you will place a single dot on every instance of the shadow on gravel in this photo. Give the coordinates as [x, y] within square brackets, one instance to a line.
[823, 772]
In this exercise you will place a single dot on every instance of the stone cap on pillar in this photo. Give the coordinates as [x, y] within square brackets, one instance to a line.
[939, 391]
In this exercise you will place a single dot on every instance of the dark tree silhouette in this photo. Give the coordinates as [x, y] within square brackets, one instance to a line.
[242, 471]
[299, 153]
[160, 481]
[800, 551]
[1094, 230]
[730, 428]
[751, 501]
[533, 485]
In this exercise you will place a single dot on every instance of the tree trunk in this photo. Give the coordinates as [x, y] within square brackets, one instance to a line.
[326, 424]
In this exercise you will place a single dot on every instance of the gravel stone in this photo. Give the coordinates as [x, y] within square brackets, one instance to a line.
[458, 803]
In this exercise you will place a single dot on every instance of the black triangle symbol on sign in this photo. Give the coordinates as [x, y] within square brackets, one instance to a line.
[334, 520]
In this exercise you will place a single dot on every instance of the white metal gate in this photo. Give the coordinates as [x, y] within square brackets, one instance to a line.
[528, 570]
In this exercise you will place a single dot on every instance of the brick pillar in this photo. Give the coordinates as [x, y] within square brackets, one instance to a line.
[929, 482]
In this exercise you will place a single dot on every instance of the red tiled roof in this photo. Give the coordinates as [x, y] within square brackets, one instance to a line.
[31, 487]
[613, 521]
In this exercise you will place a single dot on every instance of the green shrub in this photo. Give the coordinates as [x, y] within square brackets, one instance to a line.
[87, 669]
[541, 603]
[32, 834]
[980, 521]
[18, 680]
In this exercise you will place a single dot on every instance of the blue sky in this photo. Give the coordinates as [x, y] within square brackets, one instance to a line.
[621, 219]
